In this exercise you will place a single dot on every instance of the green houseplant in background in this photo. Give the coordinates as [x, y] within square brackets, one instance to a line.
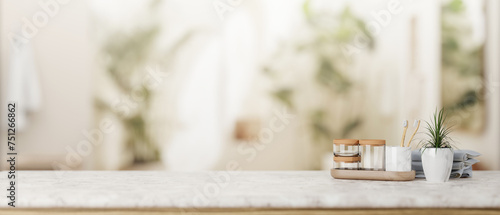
[128, 58]
[327, 83]
[437, 152]
[462, 64]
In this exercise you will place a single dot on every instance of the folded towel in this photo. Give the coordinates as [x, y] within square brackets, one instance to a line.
[462, 163]
[417, 165]
[470, 162]
[461, 173]
[419, 174]
[467, 172]
[458, 155]
[463, 155]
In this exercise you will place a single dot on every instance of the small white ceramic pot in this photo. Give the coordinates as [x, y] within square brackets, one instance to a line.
[437, 164]
[398, 159]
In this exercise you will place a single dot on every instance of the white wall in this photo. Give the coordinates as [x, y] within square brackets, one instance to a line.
[65, 63]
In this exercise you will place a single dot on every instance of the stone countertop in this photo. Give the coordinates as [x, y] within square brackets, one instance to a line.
[245, 189]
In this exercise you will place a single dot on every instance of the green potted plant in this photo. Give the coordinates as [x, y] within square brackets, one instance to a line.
[437, 152]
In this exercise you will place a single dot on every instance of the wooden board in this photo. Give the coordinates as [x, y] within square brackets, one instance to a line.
[373, 175]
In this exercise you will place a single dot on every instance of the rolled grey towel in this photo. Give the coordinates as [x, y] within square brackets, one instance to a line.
[458, 155]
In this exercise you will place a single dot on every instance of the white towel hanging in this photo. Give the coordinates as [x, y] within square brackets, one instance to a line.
[23, 85]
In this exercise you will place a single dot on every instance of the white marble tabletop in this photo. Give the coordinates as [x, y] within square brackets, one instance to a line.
[274, 189]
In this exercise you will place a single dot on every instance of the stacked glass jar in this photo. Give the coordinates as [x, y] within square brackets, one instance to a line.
[346, 154]
[372, 155]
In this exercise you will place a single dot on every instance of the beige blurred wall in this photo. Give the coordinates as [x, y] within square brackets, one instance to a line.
[66, 64]
[410, 93]
[488, 142]
[64, 61]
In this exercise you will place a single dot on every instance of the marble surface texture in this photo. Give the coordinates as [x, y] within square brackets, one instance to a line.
[273, 189]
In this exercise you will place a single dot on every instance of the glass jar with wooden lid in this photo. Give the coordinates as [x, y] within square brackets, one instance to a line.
[372, 155]
[346, 163]
[345, 147]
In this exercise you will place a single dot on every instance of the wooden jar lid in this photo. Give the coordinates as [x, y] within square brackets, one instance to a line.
[372, 142]
[351, 159]
[346, 142]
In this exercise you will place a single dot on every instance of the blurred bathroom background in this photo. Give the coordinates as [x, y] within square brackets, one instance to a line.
[190, 85]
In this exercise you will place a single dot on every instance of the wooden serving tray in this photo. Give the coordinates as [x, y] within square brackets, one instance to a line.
[373, 175]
